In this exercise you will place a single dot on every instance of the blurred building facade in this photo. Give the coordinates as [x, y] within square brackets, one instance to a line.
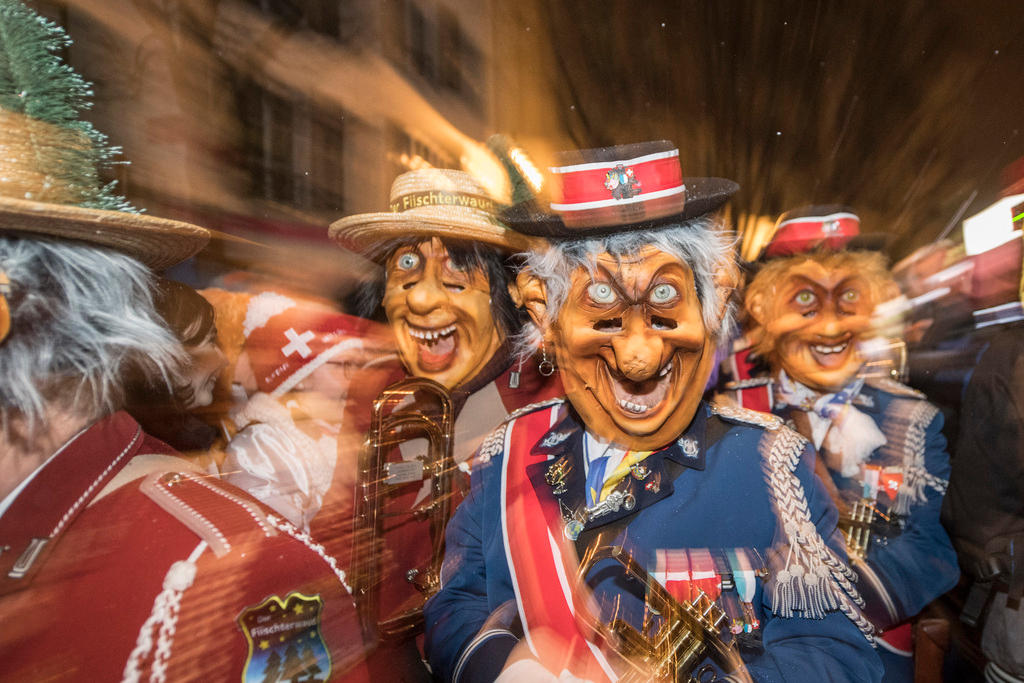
[268, 119]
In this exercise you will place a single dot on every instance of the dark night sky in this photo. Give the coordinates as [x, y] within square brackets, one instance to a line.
[900, 109]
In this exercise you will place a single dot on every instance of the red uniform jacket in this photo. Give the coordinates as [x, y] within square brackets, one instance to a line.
[406, 542]
[119, 562]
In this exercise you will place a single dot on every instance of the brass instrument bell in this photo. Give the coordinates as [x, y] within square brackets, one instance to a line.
[676, 636]
[412, 408]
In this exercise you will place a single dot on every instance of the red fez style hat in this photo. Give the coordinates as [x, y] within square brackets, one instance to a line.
[601, 191]
[828, 227]
[808, 228]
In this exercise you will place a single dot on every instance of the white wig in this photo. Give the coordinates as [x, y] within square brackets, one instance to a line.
[82, 325]
[701, 243]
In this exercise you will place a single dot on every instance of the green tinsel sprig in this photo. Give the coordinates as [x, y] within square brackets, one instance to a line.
[36, 83]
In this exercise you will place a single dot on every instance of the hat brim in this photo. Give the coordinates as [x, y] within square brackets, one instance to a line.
[872, 241]
[157, 242]
[703, 196]
[365, 233]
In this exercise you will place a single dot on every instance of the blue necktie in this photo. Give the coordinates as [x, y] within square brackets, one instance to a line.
[595, 479]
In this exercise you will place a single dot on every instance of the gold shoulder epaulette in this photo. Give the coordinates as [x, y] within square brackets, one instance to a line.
[735, 413]
[494, 442]
[891, 386]
[519, 412]
[748, 383]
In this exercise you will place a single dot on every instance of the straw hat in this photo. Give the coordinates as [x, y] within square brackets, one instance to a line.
[50, 158]
[431, 202]
[37, 198]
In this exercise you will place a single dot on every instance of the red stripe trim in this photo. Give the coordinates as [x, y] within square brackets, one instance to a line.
[555, 636]
[801, 235]
[588, 185]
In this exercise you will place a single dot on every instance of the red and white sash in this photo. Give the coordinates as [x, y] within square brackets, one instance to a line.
[543, 563]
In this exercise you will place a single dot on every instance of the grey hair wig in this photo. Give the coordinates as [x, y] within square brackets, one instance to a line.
[702, 243]
[82, 325]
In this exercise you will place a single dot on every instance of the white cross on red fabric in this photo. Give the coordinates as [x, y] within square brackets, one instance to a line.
[297, 342]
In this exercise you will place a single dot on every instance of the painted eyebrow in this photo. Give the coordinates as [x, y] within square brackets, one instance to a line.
[619, 287]
[610, 279]
[803, 281]
[851, 280]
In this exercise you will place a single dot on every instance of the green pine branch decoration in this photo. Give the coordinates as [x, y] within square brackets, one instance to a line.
[501, 146]
[34, 82]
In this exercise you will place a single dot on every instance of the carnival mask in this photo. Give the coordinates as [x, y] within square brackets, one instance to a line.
[632, 347]
[440, 314]
[812, 314]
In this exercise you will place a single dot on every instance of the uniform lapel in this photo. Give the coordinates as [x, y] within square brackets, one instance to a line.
[654, 478]
[59, 492]
[561, 476]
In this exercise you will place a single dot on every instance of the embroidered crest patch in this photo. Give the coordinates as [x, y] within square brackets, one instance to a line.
[284, 640]
[621, 182]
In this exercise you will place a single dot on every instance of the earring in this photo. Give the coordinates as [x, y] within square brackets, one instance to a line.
[546, 367]
[5, 311]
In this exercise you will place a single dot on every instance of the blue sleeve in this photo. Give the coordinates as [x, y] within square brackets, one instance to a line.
[920, 564]
[461, 643]
[812, 650]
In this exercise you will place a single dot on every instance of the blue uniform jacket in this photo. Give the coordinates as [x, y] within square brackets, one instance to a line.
[915, 564]
[715, 496]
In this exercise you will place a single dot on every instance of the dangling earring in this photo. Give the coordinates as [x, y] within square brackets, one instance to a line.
[5, 311]
[546, 367]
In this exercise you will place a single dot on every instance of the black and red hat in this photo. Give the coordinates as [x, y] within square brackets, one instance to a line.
[825, 227]
[596, 192]
[812, 227]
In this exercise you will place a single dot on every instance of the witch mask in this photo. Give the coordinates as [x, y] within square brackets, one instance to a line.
[631, 344]
[811, 312]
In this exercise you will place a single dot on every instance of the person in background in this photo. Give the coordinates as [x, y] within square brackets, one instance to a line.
[169, 416]
[443, 290]
[302, 356]
[984, 507]
[882, 453]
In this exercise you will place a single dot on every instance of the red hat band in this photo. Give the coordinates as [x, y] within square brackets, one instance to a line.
[806, 233]
[614, 192]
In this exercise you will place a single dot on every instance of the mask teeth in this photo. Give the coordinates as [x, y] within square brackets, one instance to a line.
[634, 408]
[838, 348]
[430, 335]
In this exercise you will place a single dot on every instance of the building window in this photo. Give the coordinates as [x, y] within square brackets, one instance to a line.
[293, 150]
[430, 42]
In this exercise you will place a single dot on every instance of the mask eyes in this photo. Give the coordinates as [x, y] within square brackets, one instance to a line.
[851, 296]
[663, 293]
[602, 293]
[805, 298]
[408, 261]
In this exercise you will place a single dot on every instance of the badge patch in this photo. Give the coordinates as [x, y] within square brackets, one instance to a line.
[284, 640]
[621, 182]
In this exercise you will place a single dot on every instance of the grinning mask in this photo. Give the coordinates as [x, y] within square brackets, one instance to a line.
[632, 341]
[811, 311]
[440, 313]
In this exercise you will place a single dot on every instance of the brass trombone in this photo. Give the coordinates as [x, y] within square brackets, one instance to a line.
[412, 408]
[676, 636]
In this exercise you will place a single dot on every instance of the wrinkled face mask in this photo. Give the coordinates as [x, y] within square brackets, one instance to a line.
[633, 349]
[816, 317]
[440, 314]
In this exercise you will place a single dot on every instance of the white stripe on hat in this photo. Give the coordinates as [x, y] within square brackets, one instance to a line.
[820, 219]
[612, 164]
[309, 368]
